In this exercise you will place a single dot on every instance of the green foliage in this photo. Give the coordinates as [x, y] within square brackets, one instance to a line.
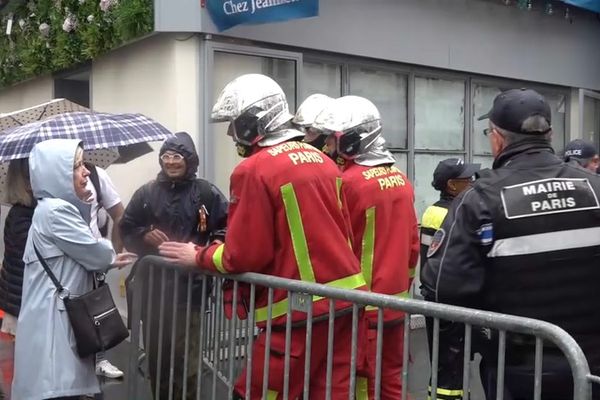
[28, 52]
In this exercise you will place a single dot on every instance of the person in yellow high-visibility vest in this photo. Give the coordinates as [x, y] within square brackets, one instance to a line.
[451, 177]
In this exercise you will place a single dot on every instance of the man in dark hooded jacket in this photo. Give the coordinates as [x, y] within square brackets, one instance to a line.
[181, 207]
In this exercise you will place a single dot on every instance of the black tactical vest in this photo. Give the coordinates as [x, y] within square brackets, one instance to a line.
[545, 259]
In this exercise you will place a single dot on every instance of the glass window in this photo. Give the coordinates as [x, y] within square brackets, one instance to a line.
[321, 78]
[485, 161]
[284, 73]
[483, 99]
[591, 120]
[439, 114]
[228, 66]
[558, 107]
[482, 102]
[425, 194]
[388, 91]
[401, 162]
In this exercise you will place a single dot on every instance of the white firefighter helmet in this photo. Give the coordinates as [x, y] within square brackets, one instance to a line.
[307, 113]
[355, 122]
[310, 108]
[257, 109]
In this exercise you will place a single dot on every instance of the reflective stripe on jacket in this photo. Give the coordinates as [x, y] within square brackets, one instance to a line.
[287, 218]
[384, 228]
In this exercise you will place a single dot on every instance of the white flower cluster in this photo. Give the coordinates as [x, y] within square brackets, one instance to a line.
[70, 23]
[44, 30]
[106, 5]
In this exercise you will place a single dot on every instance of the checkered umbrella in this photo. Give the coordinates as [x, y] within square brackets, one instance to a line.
[38, 113]
[101, 134]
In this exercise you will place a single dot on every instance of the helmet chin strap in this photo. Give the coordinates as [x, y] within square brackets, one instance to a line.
[244, 150]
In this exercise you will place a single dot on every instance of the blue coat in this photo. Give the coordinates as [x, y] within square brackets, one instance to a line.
[46, 360]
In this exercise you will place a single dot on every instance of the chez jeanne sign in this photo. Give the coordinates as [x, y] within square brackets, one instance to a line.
[228, 13]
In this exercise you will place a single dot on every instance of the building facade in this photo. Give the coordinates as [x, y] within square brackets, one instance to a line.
[431, 66]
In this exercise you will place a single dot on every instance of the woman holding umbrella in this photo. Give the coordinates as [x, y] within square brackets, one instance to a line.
[46, 362]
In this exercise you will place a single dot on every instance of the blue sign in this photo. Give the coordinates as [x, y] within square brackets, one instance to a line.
[228, 13]
[592, 5]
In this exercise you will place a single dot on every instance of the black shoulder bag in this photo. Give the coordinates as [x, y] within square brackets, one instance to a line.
[96, 322]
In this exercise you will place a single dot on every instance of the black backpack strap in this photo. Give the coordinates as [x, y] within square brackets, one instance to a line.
[95, 181]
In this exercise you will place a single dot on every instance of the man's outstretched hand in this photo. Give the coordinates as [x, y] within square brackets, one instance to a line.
[179, 253]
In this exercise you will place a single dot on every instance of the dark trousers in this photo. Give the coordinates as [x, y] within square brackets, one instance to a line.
[519, 378]
[176, 344]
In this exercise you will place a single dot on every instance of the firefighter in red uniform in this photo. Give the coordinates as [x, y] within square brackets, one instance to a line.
[381, 205]
[286, 219]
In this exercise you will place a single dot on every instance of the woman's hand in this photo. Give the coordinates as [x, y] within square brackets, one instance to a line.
[124, 259]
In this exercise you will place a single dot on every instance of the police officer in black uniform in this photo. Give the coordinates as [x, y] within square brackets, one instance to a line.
[583, 153]
[451, 177]
[525, 240]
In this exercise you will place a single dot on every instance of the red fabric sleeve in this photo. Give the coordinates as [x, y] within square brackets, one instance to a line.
[249, 241]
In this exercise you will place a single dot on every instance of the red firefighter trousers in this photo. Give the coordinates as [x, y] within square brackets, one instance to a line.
[391, 364]
[342, 350]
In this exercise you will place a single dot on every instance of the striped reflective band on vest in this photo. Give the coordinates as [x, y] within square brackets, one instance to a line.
[338, 187]
[294, 219]
[402, 295]
[218, 259]
[433, 217]
[412, 272]
[305, 269]
[280, 308]
[368, 247]
[544, 242]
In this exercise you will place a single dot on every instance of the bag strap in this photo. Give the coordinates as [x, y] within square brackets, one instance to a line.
[59, 287]
[95, 181]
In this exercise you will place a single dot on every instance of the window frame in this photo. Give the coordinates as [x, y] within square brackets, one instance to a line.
[206, 144]
[345, 62]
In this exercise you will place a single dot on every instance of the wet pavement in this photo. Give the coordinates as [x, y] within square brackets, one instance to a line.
[113, 389]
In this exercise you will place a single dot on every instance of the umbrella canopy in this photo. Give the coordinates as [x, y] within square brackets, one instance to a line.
[97, 131]
[107, 138]
[38, 113]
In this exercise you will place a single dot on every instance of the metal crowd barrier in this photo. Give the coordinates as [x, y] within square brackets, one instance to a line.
[222, 346]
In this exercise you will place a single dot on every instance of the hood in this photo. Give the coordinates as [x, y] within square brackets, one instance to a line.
[183, 144]
[51, 172]
[375, 154]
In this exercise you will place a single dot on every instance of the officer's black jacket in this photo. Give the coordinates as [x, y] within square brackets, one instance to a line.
[507, 247]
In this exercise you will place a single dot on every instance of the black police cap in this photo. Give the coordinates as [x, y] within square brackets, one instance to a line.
[580, 149]
[452, 168]
[512, 107]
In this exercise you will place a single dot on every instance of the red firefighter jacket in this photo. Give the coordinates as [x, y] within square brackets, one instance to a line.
[384, 225]
[287, 218]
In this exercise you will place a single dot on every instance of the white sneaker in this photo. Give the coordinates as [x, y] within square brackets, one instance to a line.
[105, 368]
